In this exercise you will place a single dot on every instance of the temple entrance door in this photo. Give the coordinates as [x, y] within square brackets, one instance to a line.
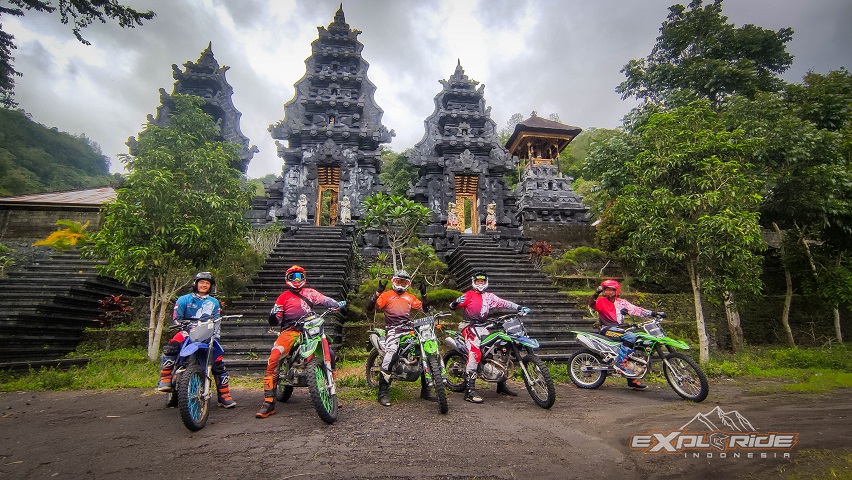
[329, 191]
[466, 187]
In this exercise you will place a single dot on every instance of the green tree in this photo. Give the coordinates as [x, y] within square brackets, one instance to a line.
[397, 174]
[180, 209]
[686, 205]
[699, 51]
[397, 217]
[81, 13]
[807, 130]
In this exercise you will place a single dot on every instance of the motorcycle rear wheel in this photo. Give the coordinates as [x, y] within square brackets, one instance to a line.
[455, 364]
[588, 380]
[372, 369]
[319, 385]
[438, 382]
[540, 384]
[686, 377]
[193, 407]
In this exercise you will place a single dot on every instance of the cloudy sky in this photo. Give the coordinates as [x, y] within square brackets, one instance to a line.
[551, 56]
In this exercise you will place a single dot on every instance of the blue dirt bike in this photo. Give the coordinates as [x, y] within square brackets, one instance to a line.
[192, 381]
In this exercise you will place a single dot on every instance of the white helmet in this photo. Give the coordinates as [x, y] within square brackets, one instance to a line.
[401, 281]
[479, 280]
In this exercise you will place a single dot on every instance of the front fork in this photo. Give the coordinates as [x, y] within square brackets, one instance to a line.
[430, 347]
[326, 359]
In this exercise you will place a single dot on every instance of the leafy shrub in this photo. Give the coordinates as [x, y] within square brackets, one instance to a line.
[116, 310]
[577, 261]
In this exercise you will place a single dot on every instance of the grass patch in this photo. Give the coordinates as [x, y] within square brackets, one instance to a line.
[812, 464]
[121, 368]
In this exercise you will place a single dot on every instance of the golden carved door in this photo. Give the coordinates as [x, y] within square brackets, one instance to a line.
[328, 180]
[466, 203]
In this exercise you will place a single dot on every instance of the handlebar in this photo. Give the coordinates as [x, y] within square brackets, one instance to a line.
[186, 322]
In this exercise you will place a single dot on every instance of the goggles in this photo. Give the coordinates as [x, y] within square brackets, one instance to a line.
[296, 277]
[480, 280]
[401, 282]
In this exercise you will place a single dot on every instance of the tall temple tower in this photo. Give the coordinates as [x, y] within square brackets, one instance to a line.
[206, 79]
[546, 196]
[334, 132]
[461, 166]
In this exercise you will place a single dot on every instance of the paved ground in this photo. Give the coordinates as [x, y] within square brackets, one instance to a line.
[131, 434]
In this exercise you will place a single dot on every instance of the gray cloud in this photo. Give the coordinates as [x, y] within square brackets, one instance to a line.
[564, 58]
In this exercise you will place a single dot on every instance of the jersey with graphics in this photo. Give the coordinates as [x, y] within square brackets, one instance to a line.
[609, 312]
[195, 306]
[289, 308]
[477, 305]
[397, 306]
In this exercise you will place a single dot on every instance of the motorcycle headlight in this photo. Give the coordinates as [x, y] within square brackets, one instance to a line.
[314, 331]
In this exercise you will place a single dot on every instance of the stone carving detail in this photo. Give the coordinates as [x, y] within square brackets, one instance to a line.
[345, 210]
[452, 217]
[491, 216]
[302, 209]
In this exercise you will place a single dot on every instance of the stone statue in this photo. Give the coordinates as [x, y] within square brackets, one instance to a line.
[491, 216]
[345, 210]
[272, 214]
[302, 209]
[452, 217]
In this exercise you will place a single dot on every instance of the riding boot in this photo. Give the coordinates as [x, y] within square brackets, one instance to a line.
[504, 389]
[636, 384]
[224, 389]
[470, 394]
[268, 407]
[621, 361]
[167, 365]
[384, 386]
[426, 389]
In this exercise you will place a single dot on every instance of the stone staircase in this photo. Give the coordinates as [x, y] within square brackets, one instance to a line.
[513, 277]
[326, 254]
[45, 307]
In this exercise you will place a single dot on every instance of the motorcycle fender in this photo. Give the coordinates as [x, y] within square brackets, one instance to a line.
[430, 347]
[673, 343]
[528, 342]
[308, 348]
[190, 348]
[377, 341]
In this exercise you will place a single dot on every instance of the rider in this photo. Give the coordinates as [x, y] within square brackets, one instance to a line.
[609, 307]
[477, 302]
[397, 304]
[198, 305]
[293, 304]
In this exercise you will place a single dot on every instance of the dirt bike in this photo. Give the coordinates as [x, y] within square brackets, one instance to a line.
[192, 381]
[589, 367]
[418, 354]
[500, 349]
[309, 365]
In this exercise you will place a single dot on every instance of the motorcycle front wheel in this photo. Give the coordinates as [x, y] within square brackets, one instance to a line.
[539, 384]
[593, 378]
[686, 377]
[438, 382]
[192, 405]
[319, 386]
[374, 366]
[455, 364]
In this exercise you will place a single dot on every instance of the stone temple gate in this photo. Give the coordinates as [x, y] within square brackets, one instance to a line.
[332, 155]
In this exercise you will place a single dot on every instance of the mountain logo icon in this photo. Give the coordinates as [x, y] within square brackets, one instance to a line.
[717, 420]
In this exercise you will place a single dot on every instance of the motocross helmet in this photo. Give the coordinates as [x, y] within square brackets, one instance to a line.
[295, 277]
[479, 280]
[203, 276]
[610, 283]
[401, 281]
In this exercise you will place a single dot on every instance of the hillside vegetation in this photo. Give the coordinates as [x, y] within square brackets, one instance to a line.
[35, 158]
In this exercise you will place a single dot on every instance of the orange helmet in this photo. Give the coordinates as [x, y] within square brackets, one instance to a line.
[295, 277]
[610, 283]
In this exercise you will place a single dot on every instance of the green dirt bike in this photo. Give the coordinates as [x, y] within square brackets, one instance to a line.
[500, 349]
[589, 367]
[309, 365]
[418, 354]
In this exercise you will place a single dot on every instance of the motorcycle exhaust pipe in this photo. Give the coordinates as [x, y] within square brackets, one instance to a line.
[453, 343]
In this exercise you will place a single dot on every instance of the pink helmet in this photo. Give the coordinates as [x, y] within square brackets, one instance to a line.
[610, 283]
